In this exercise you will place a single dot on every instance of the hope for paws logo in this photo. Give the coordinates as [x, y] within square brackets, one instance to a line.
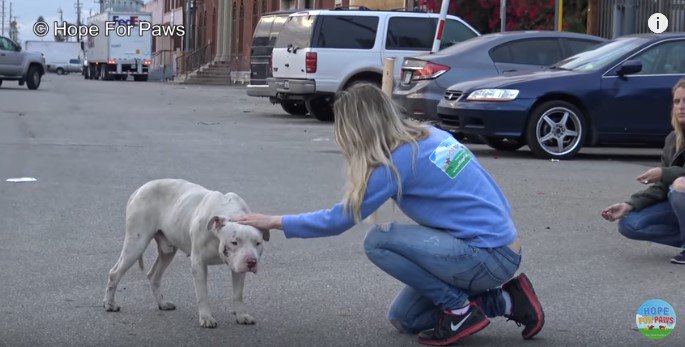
[655, 319]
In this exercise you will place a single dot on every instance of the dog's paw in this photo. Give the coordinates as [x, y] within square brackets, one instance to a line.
[167, 306]
[243, 318]
[207, 322]
[112, 307]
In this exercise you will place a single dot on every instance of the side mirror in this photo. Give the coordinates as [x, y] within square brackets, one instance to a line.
[629, 67]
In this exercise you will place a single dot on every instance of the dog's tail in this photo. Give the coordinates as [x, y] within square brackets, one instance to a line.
[140, 263]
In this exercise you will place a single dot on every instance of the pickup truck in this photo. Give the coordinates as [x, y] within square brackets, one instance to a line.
[17, 65]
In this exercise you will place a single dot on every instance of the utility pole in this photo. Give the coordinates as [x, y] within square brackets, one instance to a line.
[3, 17]
[78, 12]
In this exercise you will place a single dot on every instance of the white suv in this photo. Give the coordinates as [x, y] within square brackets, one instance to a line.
[320, 52]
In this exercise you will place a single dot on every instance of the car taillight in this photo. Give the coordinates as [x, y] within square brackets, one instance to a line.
[147, 62]
[111, 62]
[430, 71]
[310, 62]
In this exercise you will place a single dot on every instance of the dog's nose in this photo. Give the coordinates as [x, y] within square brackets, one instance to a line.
[251, 262]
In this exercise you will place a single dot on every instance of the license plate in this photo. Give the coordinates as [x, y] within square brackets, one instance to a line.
[406, 78]
[286, 85]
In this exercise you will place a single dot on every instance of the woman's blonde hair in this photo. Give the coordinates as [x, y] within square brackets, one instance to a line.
[368, 128]
[679, 137]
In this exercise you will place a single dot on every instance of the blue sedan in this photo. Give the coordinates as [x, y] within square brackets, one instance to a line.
[617, 93]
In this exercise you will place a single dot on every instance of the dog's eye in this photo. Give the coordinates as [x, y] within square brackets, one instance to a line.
[234, 243]
[259, 243]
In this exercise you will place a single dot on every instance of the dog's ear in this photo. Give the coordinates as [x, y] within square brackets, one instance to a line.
[266, 234]
[216, 223]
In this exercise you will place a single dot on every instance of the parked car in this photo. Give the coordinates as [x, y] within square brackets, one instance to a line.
[320, 52]
[263, 40]
[18, 65]
[617, 93]
[73, 65]
[425, 78]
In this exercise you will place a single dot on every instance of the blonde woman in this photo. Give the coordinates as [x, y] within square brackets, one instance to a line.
[657, 213]
[464, 246]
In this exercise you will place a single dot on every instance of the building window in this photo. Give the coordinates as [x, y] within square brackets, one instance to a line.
[242, 9]
[264, 8]
[234, 13]
[254, 8]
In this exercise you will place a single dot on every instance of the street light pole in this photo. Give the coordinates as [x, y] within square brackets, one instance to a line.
[503, 15]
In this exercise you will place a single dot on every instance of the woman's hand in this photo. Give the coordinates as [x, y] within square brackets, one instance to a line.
[259, 221]
[616, 211]
[652, 175]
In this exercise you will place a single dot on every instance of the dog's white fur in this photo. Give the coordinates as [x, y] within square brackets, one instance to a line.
[186, 216]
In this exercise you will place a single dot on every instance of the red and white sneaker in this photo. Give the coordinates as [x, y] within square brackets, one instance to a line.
[451, 328]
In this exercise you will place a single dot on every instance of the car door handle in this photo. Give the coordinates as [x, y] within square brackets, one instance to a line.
[509, 70]
[287, 65]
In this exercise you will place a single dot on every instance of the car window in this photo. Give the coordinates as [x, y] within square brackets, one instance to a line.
[297, 31]
[455, 32]
[276, 28]
[261, 32]
[601, 56]
[577, 45]
[410, 33]
[6, 45]
[543, 51]
[356, 32]
[662, 59]
[74, 61]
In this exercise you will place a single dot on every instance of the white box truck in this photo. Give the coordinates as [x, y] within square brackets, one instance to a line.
[60, 57]
[120, 49]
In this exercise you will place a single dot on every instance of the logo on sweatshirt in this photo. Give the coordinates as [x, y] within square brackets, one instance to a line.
[451, 157]
[655, 319]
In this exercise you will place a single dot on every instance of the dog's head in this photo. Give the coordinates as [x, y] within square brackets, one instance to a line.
[240, 246]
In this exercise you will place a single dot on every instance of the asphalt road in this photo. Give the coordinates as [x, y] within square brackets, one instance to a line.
[90, 144]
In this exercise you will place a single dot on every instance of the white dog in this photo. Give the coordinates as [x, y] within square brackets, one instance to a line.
[183, 215]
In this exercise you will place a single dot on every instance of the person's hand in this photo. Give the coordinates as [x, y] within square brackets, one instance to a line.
[652, 175]
[616, 211]
[259, 221]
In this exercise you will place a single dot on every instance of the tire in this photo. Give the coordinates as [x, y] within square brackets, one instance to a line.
[33, 78]
[59, 71]
[0, 82]
[320, 108]
[507, 144]
[295, 108]
[363, 81]
[556, 130]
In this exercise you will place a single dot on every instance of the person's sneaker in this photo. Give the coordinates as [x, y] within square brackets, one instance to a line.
[679, 259]
[451, 328]
[525, 306]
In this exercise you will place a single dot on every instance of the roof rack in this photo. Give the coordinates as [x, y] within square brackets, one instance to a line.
[404, 9]
[348, 8]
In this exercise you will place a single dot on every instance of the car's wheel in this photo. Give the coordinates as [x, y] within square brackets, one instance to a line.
[103, 73]
[363, 81]
[556, 129]
[320, 108]
[508, 144]
[0, 82]
[33, 78]
[59, 71]
[296, 108]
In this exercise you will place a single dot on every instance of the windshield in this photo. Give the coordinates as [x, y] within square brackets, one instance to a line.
[601, 56]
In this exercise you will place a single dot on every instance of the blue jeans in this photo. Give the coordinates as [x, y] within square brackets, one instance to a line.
[662, 223]
[441, 272]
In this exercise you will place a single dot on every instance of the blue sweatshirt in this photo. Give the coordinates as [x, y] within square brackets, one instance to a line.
[445, 189]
